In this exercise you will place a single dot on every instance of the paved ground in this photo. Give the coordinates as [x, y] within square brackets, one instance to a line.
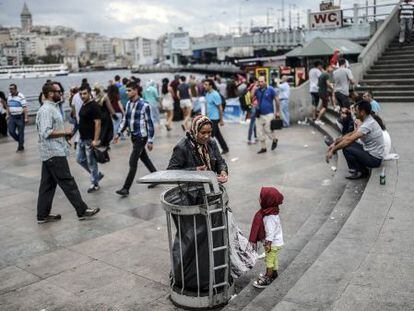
[119, 260]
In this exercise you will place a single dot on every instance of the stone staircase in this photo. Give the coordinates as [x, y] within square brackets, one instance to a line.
[391, 78]
[312, 238]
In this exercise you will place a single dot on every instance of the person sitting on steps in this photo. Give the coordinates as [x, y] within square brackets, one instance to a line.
[367, 154]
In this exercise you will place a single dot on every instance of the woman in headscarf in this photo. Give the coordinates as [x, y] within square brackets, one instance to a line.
[151, 96]
[107, 128]
[197, 151]
[335, 58]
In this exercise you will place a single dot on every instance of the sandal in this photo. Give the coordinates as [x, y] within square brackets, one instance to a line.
[262, 282]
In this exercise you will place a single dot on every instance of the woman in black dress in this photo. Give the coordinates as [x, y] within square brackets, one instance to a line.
[107, 112]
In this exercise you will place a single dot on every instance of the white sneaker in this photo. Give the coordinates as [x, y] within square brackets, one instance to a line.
[93, 188]
[319, 122]
[337, 108]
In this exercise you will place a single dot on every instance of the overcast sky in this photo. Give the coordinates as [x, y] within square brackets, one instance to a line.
[129, 18]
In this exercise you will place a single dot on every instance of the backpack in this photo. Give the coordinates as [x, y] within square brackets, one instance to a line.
[245, 101]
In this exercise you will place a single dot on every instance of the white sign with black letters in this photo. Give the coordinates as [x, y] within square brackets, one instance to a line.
[325, 19]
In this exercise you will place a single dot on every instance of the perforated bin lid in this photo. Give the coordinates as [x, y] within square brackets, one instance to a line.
[182, 177]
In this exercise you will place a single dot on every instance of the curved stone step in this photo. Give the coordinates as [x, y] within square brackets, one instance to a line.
[324, 283]
[331, 120]
[395, 99]
[389, 81]
[327, 232]
[387, 76]
[390, 71]
[402, 88]
[302, 236]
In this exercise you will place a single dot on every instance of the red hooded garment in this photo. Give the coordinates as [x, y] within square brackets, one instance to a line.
[335, 58]
[270, 199]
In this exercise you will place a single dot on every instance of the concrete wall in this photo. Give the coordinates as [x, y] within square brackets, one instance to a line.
[353, 32]
[300, 105]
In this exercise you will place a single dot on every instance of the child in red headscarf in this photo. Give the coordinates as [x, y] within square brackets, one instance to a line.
[266, 228]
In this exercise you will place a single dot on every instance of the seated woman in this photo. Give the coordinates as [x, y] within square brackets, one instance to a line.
[198, 151]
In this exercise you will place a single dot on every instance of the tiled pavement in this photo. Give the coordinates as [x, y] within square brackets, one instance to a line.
[119, 260]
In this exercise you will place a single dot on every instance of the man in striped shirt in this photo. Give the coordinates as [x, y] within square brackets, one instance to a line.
[18, 115]
[138, 120]
[406, 21]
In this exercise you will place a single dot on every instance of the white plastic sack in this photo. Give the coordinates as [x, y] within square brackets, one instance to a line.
[242, 256]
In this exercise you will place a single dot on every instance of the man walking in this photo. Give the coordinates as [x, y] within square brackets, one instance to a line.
[324, 86]
[406, 21]
[284, 95]
[138, 120]
[89, 131]
[18, 115]
[266, 97]
[314, 74]
[342, 79]
[215, 113]
[54, 149]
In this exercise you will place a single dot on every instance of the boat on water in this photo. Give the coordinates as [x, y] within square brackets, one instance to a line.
[33, 71]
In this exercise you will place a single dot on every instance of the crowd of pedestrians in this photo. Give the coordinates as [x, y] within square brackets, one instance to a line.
[104, 116]
[364, 140]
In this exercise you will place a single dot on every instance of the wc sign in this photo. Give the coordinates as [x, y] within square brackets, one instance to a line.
[325, 19]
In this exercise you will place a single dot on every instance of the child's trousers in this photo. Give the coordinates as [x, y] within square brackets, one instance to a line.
[272, 261]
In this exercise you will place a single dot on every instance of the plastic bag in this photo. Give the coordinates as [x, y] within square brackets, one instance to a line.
[242, 256]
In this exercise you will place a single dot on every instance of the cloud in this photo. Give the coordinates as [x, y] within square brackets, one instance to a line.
[128, 18]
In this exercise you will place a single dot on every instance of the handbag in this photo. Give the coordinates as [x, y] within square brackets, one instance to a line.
[101, 155]
[276, 124]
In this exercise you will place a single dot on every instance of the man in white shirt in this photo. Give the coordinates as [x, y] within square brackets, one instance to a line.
[77, 103]
[18, 115]
[284, 95]
[343, 78]
[314, 74]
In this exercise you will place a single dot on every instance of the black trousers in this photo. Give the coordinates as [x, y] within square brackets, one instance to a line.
[217, 134]
[342, 100]
[3, 124]
[358, 159]
[55, 171]
[138, 152]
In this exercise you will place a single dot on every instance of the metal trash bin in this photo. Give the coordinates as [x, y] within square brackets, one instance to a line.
[199, 240]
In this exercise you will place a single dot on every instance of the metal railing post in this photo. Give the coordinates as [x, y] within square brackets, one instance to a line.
[356, 12]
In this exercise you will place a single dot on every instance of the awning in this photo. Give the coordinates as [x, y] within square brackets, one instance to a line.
[326, 47]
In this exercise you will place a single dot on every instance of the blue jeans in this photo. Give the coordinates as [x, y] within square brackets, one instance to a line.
[86, 158]
[252, 125]
[117, 123]
[284, 105]
[17, 122]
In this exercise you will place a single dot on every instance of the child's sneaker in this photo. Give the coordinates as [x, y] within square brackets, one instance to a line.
[262, 282]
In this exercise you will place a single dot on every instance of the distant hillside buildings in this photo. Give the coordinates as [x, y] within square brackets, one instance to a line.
[42, 44]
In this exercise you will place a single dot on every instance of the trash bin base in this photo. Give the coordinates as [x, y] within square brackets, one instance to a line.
[201, 303]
